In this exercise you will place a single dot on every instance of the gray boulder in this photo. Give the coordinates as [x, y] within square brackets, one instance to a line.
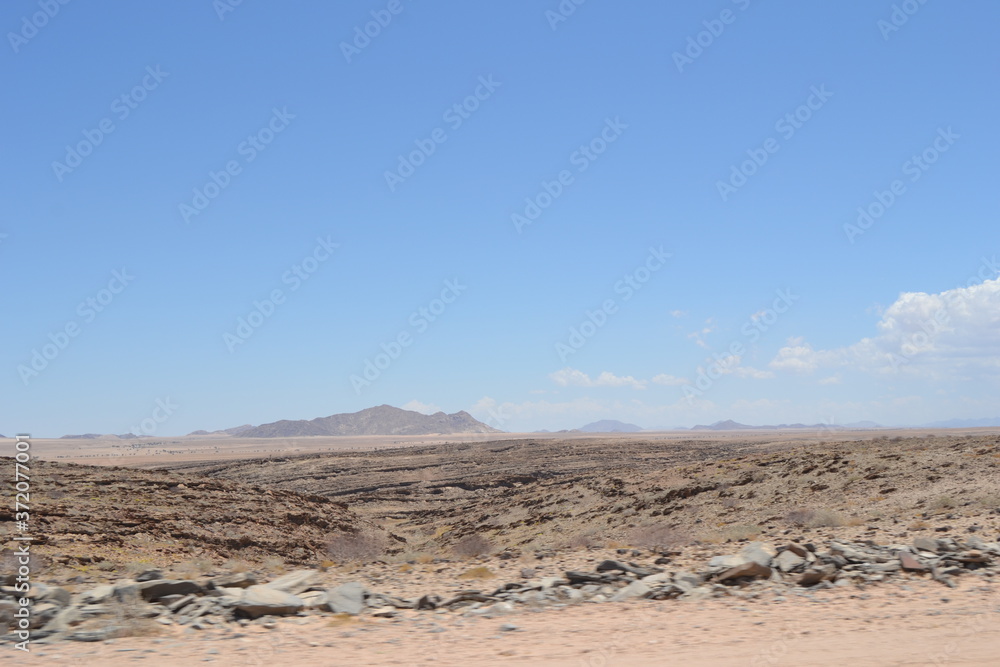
[295, 582]
[636, 589]
[260, 600]
[787, 561]
[347, 598]
[160, 588]
[236, 580]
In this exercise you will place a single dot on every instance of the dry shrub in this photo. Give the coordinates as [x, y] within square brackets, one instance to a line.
[731, 533]
[272, 563]
[480, 572]
[340, 620]
[134, 618]
[472, 546]
[237, 565]
[658, 537]
[800, 516]
[192, 569]
[584, 540]
[990, 501]
[740, 532]
[350, 547]
[942, 503]
[817, 518]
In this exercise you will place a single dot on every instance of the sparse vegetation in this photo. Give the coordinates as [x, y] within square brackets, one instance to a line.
[134, 618]
[363, 545]
[942, 503]
[481, 572]
[820, 518]
[658, 537]
[472, 546]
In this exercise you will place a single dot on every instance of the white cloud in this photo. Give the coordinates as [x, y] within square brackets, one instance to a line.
[699, 336]
[833, 379]
[730, 365]
[751, 372]
[571, 377]
[678, 313]
[956, 332]
[797, 355]
[669, 380]
[425, 408]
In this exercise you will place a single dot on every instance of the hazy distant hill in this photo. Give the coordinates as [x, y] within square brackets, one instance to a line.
[381, 420]
[236, 430]
[610, 426]
[730, 425]
[964, 423]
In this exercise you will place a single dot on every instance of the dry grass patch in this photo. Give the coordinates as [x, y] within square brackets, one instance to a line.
[658, 537]
[134, 618]
[942, 503]
[472, 546]
[481, 572]
[340, 620]
[363, 545]
[821, 518]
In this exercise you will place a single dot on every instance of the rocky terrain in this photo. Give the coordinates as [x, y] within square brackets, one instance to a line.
[91, 521]
[225, 602]
[651, 493]
[428, 540]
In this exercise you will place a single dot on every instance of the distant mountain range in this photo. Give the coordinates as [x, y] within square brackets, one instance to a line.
[381, 420]
[730, 425]
[610, 426]
[964, 423]
[387, 420]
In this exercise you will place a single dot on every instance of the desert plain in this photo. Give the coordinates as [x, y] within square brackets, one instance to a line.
[810, 547]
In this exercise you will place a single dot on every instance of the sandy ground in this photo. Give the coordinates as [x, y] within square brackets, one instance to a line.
[165, 450]
[920, 623]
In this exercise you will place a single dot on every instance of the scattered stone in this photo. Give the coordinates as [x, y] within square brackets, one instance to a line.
[815, 575]
[155, 589]
[758, 552]
[347, 598]
[295, 582]
[636, 589]
[235, 580]
[429, 601]
[314, 599]
[725, 562]
[97, 595]
[788, 561]
[926, 544]
[749, 569]
[261, 600]
[909, 563]
[612, 565]
[584, 578]
[796, 549]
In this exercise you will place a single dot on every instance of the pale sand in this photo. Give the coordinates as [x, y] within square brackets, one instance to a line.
[887, 625]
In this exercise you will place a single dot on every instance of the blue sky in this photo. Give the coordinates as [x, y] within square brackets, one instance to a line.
[676, 174]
